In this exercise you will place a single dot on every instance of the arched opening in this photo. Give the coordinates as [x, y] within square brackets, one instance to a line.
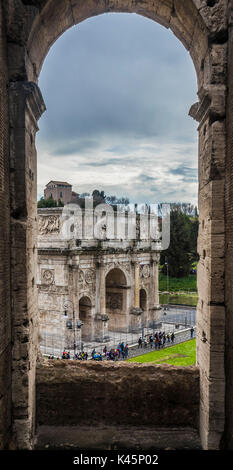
[57, 16]
[186, 21]
[116, 292]
[116, 300]
[85, 318]
[116, 104]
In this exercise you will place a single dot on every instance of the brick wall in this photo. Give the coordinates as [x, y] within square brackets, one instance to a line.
[229, 251]
[5, 322]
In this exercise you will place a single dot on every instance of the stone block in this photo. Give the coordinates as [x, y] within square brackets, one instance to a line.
[82, 10]
[215, 18]
[212, 152]
[163, 13]
[183, 21]
[211, 200]
[210, 438]
[23, 434]
[5, 415]
[18, 61]
[19, 21]
[53, 22]
[218, 64]
[199, 48]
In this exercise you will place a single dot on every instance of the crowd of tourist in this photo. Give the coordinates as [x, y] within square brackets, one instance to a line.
[158, 340]
[81, 356]
[113, 354]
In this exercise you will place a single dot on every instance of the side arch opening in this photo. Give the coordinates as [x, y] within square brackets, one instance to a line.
[116, 300]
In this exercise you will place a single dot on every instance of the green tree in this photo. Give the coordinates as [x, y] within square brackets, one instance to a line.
[182, 250]
[60, 203]
[98, 197]
[42, 203]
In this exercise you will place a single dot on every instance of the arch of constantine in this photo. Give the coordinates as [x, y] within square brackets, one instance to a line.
[28, 28]
[110, 284]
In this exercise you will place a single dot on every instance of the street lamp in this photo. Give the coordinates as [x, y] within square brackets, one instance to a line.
[166, 263]
[79, 326]
[72, 325]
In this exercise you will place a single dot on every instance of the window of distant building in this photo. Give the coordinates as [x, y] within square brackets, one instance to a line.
[60, 194]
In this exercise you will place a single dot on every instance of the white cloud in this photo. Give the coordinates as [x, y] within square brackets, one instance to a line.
[118, 89]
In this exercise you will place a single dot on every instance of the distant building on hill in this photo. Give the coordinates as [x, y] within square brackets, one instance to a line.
[58, 190]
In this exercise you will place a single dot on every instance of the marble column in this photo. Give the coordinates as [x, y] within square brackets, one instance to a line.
[102, 288]
[136, 311]
[154, 283]
[101, 319]
[137, 285]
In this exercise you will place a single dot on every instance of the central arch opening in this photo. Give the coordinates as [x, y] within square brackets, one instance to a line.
[116, 300]
[85, 317]
[120, 132]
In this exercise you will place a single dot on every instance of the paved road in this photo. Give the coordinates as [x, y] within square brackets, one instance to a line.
[179, 314]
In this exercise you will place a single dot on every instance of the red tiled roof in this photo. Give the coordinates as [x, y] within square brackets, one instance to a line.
[64, 183]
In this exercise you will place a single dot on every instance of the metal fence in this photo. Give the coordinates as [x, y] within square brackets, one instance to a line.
[172, 319]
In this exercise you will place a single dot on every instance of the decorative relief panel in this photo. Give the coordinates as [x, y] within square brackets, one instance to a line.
[145, 271]
[48, 224]
[47, 276]
[90, 276]
[87, 281]
[81, 277]
[63, 290]
[86, 276]
[114, 301]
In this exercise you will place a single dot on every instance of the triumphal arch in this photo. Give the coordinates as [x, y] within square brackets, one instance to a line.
[28, 28]
[110, 284]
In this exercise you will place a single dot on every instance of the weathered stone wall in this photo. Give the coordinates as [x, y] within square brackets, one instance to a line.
[26, 105]
[211, 115]
[5, 316]
[107, 394]
[229, 244]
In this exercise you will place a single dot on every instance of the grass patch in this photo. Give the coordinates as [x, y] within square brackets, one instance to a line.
[183, 354]
[177, 284]
[183, 290]
[179, 299]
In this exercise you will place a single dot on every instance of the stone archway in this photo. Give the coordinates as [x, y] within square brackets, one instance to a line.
[85, 317]
[29, 30]
[115, 284]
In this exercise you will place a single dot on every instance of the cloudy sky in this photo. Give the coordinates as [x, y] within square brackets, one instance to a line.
[118, 88]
